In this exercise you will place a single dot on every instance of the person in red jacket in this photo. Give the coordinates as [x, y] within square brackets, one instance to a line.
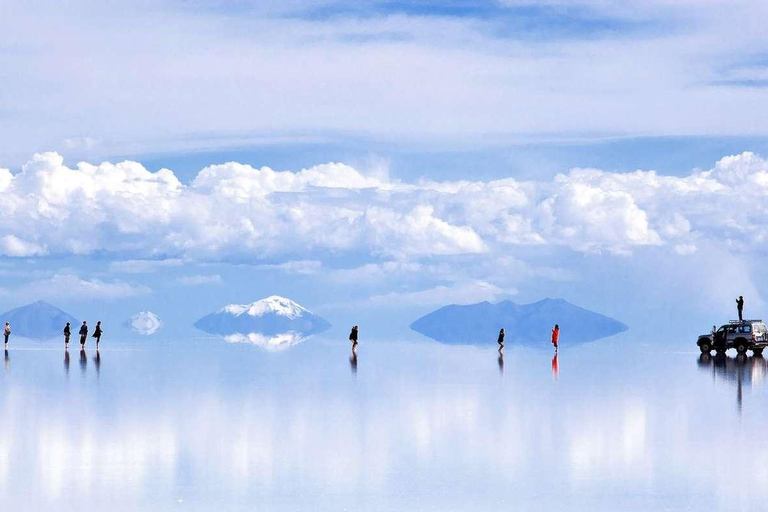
[556, 335]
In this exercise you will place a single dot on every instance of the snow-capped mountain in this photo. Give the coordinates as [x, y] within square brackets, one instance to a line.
[525, 324]
[274, 318]
[38, 320]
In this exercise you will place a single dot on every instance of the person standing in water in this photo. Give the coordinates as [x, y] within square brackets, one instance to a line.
[7, 333]
[740, 307]
[67, 334]
[97, 333]
[556, 336]
[353, 336]
[83, 334]
[501, 339]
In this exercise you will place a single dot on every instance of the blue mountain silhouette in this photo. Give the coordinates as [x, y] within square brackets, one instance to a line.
[38, 320]
[525, 324]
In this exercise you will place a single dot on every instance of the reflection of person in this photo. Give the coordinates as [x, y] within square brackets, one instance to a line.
[83, 360]
[353, 360]
[501, 339]
[556, 336]
[740, 307]
[97, 333]
[353, 335]
[66, 361]
[83, 334]
[501, 361]
[67, 334]
[6, 332]
[555, 366]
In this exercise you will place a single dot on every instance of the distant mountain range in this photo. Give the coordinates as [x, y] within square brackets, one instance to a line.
[525, 324]
[273, 322]
[38, 320]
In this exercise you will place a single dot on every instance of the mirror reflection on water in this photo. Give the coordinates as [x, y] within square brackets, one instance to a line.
[199, 425]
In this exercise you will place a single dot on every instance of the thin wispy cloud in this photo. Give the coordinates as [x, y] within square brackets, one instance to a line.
[73, 287]
[199, 280]
[421, 75]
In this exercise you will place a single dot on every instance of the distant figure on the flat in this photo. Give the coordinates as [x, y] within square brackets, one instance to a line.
[501, 339]
[97, 333]
[7, 333]
[740, 307]
[556, 336]
[67, 334]
[555, 366]
[83, 334]
[353, 335]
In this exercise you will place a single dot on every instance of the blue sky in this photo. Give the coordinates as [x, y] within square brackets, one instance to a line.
[369, 157]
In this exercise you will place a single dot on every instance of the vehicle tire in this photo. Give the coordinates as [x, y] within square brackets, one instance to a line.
[757, 351]
[705, 347]
[741, 347]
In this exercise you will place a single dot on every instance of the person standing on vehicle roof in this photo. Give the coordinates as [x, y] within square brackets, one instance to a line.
[740, 307]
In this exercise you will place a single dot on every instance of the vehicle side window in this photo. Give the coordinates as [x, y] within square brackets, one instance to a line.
[747, 329]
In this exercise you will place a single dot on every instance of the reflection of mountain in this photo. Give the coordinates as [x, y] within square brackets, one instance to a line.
[144, 322]
[278, 341]
[38, 320]
[274, 322]
[526, 324]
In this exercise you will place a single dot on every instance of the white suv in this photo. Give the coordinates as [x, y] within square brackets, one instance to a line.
[745, 335]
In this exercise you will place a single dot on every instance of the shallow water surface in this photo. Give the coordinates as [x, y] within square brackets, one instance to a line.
[204, 425]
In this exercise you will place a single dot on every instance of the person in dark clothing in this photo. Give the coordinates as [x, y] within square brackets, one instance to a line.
[740, 307]
[67, 334]
[353, 335]
[83, 334]
[97, 333]
[7, 332]
[501, 339]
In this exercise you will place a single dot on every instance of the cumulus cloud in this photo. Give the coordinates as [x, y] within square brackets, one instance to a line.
[72, 286]
[199, 280]
[145, 322]
[235, 212]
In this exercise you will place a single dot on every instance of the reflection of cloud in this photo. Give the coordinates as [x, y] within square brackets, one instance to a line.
[275, 342]
[145, 322]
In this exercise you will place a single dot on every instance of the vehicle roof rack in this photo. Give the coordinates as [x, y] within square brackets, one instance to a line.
[746, 321]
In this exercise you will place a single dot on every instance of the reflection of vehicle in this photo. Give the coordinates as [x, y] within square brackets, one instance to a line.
[743, 371]
[743, 336]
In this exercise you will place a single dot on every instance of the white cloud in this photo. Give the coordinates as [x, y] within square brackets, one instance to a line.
[266, 215]
[459, 293]
[199, 280]
[73, 287]
[145, 322]
[143, 266]
[454, 80]
[301, 267]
